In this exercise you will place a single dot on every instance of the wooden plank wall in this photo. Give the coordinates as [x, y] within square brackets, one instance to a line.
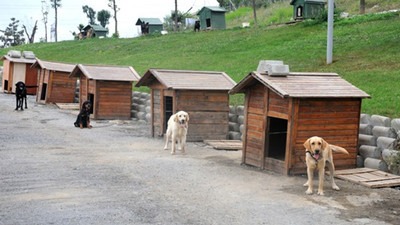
[277, 106]
[156, 117]
[254, 148]
[114, 100]
[41, 75]
[335, 120]
[31, 76]
[62, 88]
[6, 75]
[208, 112]
[83, 89]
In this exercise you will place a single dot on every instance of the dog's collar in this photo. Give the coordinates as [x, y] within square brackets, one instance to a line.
[316, 160]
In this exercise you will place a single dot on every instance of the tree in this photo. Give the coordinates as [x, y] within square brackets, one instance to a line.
[114, 7]
[103, 17]
[31, 38]
[11, 35]
[55, 4]
[90, 13]
[45, 13]
[362, 6]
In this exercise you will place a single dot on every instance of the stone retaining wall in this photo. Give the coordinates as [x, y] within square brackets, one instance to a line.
[141, 106]
[379, 143]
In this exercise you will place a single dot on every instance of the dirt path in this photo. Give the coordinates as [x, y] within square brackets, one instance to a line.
[54, 173]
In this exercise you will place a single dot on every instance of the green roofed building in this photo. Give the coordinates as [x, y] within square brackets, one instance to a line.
[154, 25]
[212, 17]
[307, 9]
[97, 30]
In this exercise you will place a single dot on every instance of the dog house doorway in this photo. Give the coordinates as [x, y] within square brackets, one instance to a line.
[91, 99]
[5, 85]
[276, 138]
[208, 22]
[299, 11]
[168, 110]
[44, 89]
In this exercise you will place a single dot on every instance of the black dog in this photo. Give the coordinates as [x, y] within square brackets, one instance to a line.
[83, 119]
[20, 94]
[197, 26]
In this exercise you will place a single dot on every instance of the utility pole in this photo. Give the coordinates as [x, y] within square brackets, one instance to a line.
[176, 15]
[329, 46]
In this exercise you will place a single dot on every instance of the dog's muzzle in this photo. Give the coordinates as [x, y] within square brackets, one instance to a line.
[182, 123]
[316, 155]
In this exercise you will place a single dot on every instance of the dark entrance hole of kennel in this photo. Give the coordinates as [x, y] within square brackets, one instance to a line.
[44, 89]
[276, 138]
[91, 99]
[168, 110]
[208, 21]
[5, 85]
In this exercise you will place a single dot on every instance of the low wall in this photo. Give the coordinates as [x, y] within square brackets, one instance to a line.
[379, 138]
[141, 106]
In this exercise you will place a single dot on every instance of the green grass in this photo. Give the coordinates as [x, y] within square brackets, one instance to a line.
[366, 53]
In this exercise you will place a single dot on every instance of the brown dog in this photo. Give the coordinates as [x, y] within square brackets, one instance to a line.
[319, 154]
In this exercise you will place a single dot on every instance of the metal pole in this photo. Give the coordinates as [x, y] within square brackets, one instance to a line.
[329, 48]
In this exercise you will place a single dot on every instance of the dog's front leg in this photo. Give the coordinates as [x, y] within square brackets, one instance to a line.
[310, 174]
[321, 174]
[183, 144]
[16, 103]
[173, 140]
[167, 134]
[26, 106]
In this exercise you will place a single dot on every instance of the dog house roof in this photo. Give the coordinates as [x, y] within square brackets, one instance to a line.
[17, 60]
[103, 72]
[303, 85]
[54, 66]
[187, 79]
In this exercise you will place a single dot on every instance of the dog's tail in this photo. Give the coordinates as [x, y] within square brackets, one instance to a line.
[338, 149]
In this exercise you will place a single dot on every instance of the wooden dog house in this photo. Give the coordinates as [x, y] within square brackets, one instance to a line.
[202, 94]
[17, 67]
[307, 9]
[212, 17]
[54, 84]
[109, 88]
[282, 112]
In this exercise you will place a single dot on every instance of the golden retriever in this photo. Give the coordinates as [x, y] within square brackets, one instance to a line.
[177, 130]
[319, 154]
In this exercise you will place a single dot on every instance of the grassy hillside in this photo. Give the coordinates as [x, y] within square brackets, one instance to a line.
[366, 53]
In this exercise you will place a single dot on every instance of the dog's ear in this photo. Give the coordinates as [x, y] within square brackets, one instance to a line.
[307, 144]
[187, 117]
[175, 117]
[324, 143]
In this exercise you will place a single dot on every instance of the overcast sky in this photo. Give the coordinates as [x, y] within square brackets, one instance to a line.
[70, 15]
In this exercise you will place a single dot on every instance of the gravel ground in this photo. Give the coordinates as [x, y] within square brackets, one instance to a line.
[115, 173]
